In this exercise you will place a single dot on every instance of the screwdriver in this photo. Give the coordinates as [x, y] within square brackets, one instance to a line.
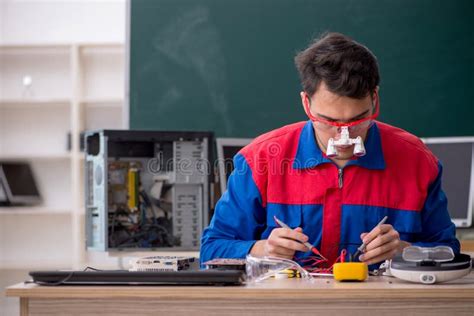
[362, 247]
[310, 247]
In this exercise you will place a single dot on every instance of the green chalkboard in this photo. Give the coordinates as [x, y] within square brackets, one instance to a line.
[227, 65]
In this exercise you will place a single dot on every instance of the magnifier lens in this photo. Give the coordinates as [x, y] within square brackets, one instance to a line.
[437, 254]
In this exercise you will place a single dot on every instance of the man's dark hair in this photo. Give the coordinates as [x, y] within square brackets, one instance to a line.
[346, 67]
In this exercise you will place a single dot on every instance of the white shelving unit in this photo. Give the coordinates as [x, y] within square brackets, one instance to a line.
[74, 87]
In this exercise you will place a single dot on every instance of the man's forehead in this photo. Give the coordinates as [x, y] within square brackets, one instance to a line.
[326, 96]
[345, 118]
[344, 109]
[341, 104]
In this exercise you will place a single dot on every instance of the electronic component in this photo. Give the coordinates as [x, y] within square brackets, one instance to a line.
[225, 264]
[17, 184]
[146, 189]
[429, 265]
[227, 148]
[350, 271]
[164, 263]
[133, 183]
[121, 277]
[456, 155]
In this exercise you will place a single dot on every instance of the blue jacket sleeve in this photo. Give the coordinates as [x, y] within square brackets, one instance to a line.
[437, 227]
[238, 219]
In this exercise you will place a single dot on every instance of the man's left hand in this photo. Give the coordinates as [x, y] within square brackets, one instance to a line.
[383, 242]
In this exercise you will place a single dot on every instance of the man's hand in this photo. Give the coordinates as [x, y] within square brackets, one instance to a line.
[383, 242]
[282, 243]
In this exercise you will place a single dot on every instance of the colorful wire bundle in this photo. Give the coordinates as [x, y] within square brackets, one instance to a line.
[319, 264]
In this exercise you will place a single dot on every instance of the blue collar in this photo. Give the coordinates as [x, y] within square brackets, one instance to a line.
[309, 154]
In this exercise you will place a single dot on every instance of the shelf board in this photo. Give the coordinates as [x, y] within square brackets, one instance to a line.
[34, 45]
[103, 102]
[16, 103]
[62, 45]
[33, 210]
[36, 156]
[105, 48]
[101, 44]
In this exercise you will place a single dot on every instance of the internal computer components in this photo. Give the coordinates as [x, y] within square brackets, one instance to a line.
[164, 263]
[147, 189]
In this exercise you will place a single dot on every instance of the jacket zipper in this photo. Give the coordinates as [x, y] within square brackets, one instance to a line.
[341, 174]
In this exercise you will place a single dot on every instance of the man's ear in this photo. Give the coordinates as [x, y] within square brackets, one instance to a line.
[304, 101]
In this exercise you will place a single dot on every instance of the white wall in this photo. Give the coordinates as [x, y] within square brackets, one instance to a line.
[2, 5]
[62, 21]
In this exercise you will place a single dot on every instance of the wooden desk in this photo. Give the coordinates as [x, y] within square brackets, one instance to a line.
[467, 246]
[378, 296]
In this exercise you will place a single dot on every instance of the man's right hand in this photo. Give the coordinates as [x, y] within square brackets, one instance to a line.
[282, 243]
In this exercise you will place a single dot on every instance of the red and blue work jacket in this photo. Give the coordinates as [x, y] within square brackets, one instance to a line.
[284, 173]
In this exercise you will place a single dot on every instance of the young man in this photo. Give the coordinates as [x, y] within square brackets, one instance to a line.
[332, 178]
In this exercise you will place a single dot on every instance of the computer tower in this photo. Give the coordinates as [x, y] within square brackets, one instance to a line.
[147, 189]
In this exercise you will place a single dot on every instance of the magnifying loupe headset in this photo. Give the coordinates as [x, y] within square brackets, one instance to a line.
[343, 131]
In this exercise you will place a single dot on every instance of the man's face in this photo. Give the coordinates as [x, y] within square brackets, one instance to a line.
[334, 108]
